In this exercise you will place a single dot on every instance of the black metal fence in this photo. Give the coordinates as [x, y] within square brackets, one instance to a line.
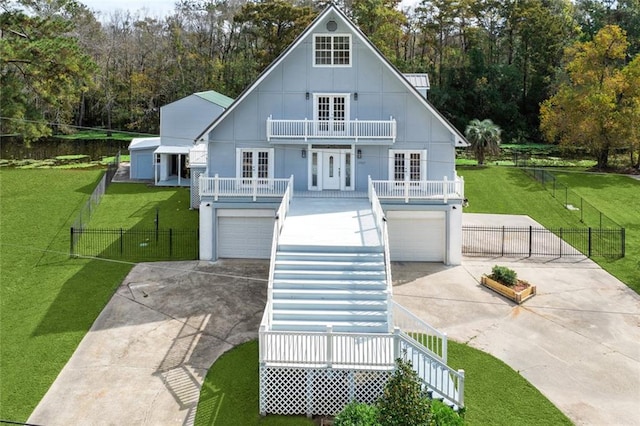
[135, 244]
[87, 210]
[531, 241]
[581, 208]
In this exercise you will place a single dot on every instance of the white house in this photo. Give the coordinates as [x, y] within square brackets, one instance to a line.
[165, 159]
[332, 164]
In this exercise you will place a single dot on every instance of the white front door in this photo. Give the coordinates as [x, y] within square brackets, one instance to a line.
[331, 169]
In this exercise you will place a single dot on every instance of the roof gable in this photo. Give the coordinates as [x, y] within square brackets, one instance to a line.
[334, 13]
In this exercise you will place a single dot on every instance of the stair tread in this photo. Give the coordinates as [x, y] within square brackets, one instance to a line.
[329, 254]
[344, 302]
[313, 262]
[326, 323]
[326, 283]
[329, 312]
[328, 292]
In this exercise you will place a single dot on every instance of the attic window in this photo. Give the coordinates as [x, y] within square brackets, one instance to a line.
[332, 50]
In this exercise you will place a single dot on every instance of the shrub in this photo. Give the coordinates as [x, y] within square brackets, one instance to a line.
[403, 403]
[443, 415]
[504, 275]
[357, 414]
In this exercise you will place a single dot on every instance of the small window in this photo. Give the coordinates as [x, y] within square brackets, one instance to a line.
[332, 50]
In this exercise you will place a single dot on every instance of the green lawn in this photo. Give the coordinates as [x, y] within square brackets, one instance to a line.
[495, 394]
[512, 192]
[47, 300]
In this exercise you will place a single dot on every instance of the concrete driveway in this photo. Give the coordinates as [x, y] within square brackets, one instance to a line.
[146, 356]
[577, 340]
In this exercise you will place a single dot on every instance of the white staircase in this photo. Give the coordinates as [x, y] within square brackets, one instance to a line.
[344, 287]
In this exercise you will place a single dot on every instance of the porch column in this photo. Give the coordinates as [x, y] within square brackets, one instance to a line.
[179, 168]
[206, 230]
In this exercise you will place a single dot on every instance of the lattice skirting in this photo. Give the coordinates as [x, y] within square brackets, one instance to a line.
[196, 172]
[314, 391]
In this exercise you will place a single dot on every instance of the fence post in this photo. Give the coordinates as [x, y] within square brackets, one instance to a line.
[329, 346]
[71, 243]
[170, 242]
[121, 241]
[502, 241]
[589, 249]
[157, 223]
[561, 242]
[530, 240]
[622, 238]
[581, 210]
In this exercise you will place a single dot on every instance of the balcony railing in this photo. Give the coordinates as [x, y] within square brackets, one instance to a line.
[332, 129]
[444, 190]
[217, 187]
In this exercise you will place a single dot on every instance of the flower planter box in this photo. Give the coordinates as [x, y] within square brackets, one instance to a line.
[519, 293]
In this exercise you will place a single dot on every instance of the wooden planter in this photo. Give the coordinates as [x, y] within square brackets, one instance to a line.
[508, 292]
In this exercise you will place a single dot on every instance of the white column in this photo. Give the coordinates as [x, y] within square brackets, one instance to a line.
[206, 231]
[454, 243]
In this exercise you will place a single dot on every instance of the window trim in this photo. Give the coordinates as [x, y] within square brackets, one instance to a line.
[332, 51]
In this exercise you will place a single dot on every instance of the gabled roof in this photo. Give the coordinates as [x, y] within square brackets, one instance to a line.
[459, 140]
[144, 143]
[215, 98]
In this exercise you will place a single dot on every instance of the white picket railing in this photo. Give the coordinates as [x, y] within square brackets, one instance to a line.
[289, 349]
[335, 129]
[412, 326]
[281, 215]
[217, 187]
[381, 225]
[421, 190]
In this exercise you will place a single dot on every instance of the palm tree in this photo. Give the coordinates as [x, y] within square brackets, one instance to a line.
[484, 137]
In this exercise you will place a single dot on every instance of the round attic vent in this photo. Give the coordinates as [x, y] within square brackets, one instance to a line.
[332, 26]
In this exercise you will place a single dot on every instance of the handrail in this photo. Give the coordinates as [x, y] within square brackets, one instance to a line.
[381, 225]
[419, 331]
[278, 224]
[217, 187]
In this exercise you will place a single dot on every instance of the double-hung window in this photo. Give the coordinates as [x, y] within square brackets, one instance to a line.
[332, 50]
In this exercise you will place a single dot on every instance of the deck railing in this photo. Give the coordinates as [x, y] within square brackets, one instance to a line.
[323, 129]
[289, 349]
[217, 187]
[420, 190]
[383, 234]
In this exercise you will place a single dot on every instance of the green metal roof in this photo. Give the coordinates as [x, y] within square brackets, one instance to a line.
[215, 98]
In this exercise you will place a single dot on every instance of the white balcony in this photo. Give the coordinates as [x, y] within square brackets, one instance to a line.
[383, 131]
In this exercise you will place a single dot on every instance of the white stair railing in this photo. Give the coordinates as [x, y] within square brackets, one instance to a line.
[381, 225]
[413, 327]
[278, 224]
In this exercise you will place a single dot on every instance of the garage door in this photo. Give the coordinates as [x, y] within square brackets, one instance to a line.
[245, 237]
[417, 236]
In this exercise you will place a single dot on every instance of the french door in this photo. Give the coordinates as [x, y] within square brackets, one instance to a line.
[254, 164]
[331, 112]
[407, 166]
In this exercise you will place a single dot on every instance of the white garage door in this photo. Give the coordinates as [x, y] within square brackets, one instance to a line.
[245, 237]
[417, 236]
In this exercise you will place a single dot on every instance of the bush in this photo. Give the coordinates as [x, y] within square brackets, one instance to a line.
[403, 403]
[504, 275]
[443, 415]
[357, 414]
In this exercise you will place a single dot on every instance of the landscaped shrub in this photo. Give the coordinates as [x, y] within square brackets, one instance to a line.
[403, 403]
[504, 275]
[443, 415]
[357, 414]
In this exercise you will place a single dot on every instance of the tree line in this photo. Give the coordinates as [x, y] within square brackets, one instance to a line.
[497, 59]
